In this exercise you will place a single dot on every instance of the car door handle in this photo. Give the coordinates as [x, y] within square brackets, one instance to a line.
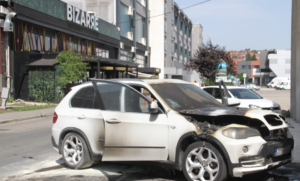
[172, 126]
[113, 121]
[81, 117]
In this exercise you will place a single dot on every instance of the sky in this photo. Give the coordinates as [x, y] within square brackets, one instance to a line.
[241, 24]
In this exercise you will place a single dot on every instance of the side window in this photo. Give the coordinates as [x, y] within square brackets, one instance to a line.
[218, 93]
[85, 98]
[77, 100]
[117, 97]
[209, 90]
[89, 99]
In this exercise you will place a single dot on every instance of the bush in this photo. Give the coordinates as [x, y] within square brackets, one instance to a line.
[10, 100]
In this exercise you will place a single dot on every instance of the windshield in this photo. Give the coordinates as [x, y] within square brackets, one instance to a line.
[185, 96]
[244, 94]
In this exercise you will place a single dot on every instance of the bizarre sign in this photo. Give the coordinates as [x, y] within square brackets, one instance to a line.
[83, 18]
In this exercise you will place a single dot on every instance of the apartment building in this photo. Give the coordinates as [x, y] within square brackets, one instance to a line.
[171, 40]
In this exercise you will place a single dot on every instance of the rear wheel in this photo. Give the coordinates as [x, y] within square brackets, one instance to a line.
[75, 152]
[203, 163]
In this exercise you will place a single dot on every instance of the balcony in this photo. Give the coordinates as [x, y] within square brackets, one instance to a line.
[256, 71]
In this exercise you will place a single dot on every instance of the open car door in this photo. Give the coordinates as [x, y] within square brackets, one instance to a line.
[132, 132]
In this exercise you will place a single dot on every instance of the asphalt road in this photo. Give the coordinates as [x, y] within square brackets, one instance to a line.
[26, 153]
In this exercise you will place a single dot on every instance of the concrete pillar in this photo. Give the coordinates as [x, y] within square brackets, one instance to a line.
[295, 61]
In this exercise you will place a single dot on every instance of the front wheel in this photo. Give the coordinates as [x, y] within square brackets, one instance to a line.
[75, 152]
[203, 163]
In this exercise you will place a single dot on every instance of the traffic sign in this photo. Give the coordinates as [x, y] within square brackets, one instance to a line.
[244, 75]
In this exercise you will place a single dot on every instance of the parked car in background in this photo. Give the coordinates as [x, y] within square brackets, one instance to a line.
[278, 85]
[176, 125]
[285, 86]
[247, 97]
[251, 86]
[276, 80]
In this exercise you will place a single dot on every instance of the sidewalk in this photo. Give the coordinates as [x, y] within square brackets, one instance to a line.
[25, 115]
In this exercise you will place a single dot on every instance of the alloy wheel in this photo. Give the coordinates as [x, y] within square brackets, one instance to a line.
[73, 150]
[202, 164]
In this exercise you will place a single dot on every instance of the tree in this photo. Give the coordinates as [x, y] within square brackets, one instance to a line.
[254, 51]
[253, 57]
[240, 76]
[72, 67]
[248, 57]
[207, 58]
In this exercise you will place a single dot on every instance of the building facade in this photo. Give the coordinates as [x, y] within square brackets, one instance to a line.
[130, 16]
[43, 29]
[271, 64]
[171, 37]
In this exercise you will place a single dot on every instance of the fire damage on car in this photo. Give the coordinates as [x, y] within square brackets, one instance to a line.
[210, 120]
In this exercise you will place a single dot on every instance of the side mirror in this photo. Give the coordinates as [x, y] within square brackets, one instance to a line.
[153, 109]
[233, 102]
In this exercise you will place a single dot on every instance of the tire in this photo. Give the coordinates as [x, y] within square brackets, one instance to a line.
[210, 165]
[75, 152]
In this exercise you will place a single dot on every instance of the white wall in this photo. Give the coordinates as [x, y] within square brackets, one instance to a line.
[197, 37]
[280, 63]
[81, 4]
[156, 35]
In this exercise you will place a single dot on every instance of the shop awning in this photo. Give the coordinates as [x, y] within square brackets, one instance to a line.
[43, 63]
[141, 75]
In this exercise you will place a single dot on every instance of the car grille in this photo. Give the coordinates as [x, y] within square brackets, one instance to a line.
[271, 108]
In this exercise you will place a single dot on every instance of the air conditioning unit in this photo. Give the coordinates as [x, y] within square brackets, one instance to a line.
[121, 45]
[132, 49]
[130, 11]
[130, 35]
[144, 41]
[146, 53]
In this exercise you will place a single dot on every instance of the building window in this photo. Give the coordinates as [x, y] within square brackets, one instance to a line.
[140, 60]
[165, 42]
[165, 60]
[243, 66]
[126, 20]
[165, 25]
[125, 56]
[140, 28]
[102, 53]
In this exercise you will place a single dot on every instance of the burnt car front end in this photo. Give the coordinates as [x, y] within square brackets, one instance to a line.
[254, 140]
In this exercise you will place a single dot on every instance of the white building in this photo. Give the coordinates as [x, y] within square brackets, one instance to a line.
[180, 39]
[280, 63]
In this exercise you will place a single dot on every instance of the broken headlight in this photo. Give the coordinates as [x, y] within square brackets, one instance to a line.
[240, 133]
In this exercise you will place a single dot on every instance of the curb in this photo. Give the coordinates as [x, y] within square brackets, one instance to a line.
[25, 118]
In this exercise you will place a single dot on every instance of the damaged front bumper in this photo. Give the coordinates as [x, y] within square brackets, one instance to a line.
[271, 155]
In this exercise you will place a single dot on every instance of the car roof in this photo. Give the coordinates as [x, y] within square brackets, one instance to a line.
[228, 87]
[148, 81]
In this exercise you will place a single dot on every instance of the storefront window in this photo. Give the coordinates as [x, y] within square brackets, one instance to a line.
[75, 45]
[125, 56]
[102, 53]
[140, 60]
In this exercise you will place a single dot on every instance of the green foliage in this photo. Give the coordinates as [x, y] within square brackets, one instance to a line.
[72, 68]
[26, 107]
[254, 51]
[253, 57]
[10, 99]
[248, 57]
[240, 76]
[210, 82]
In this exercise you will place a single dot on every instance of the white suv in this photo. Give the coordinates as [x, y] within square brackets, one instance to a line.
[170, 122]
